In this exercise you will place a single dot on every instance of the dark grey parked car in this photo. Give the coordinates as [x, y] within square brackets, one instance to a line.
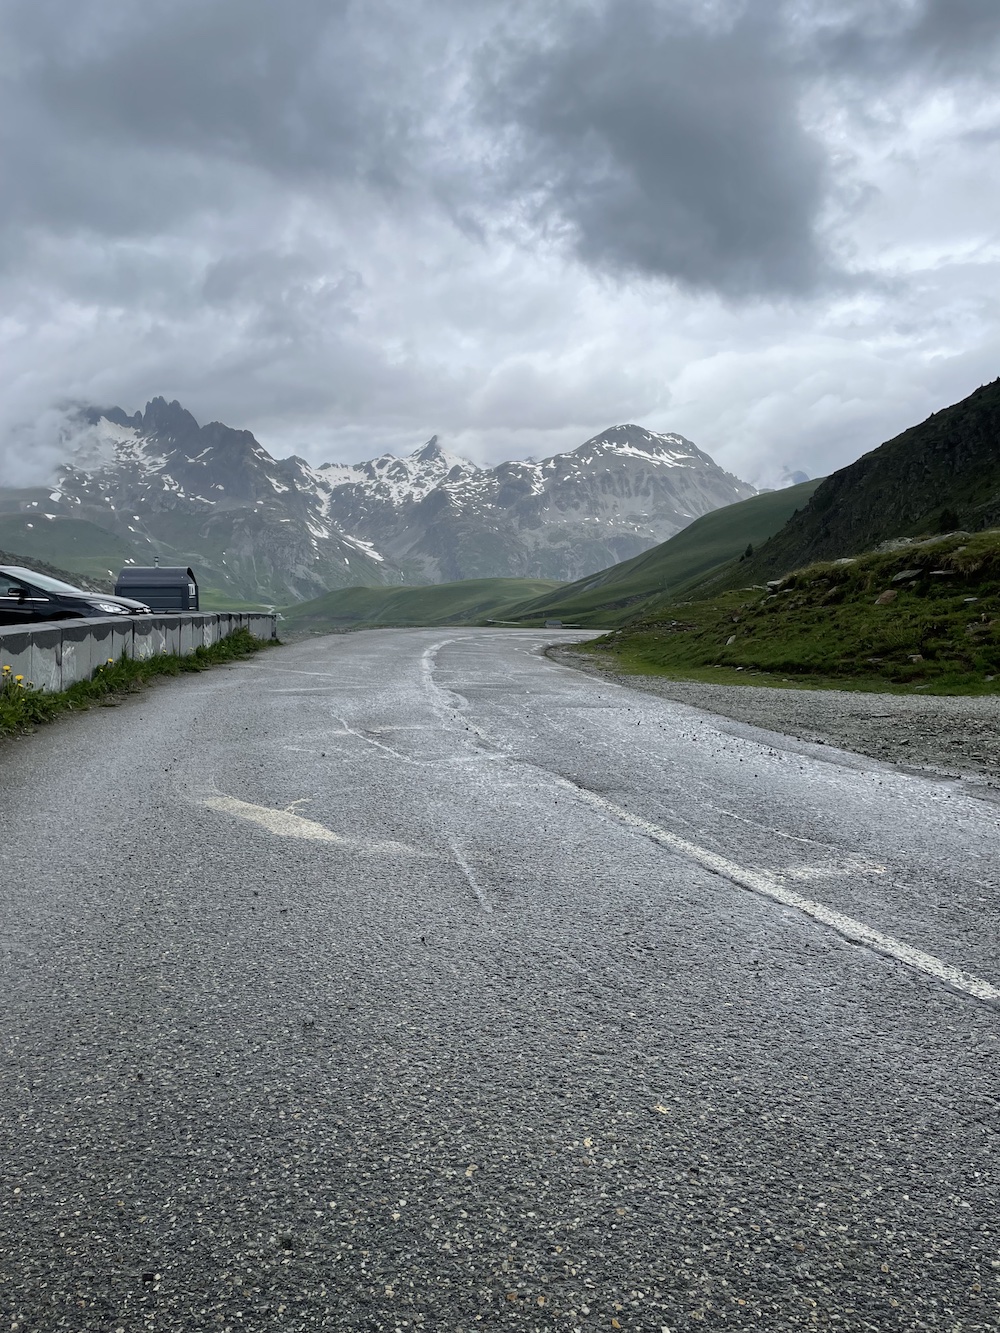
[27, 597]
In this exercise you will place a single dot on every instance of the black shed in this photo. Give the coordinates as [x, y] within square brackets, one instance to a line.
[161, 587]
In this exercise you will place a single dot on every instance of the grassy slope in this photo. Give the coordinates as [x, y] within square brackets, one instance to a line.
[75, 549]
[55, 572]
[211, 600]
[470, 601]
[637, 586]
[72, 544]
[822, 625]
[940, 475]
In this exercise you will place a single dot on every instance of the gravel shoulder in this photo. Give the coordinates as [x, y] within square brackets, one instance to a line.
[948, 735]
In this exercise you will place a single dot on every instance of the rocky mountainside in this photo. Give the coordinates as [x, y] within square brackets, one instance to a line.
[282, 530]
[936, 477]
[570, 515]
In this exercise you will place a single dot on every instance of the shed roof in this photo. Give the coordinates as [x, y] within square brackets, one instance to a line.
[154, 575]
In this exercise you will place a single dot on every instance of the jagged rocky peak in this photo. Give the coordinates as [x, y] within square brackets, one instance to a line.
[94, 415]
[410, 478]
[167, 421]
[429, 452]
[433, 455]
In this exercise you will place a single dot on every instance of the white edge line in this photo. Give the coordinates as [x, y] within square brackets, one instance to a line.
[847, 926]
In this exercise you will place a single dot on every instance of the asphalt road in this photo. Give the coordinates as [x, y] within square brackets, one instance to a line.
[410, 980]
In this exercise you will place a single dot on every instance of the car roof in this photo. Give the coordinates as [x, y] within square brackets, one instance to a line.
[44, 581]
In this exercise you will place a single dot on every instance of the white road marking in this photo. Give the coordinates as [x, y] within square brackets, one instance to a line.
[305, 689]
[430, 761]
[368, 739]
[287, 824]
[469, 874]
[412, 726]
[448, 713]
[428, 660]
[769, 887]
[849, 866]
[756, 881]
[297, 671]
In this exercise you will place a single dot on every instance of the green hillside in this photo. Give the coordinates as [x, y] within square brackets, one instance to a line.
[73, 544]
[926, 616]
[468, 602]
[55, 572]
[635, 587]
[936, 477]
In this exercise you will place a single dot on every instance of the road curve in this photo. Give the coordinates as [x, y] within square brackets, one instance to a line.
[410, 980]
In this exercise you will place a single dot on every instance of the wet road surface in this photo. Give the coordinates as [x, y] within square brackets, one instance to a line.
[409, 980]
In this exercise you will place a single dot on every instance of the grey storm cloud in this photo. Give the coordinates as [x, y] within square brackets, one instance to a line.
[660, 138]
[880, 38]
[670, 140]
[669, 147]
[130, 116]
[348, 223]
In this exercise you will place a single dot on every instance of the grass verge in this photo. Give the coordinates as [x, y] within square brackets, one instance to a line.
[22, 707]
[925, 617]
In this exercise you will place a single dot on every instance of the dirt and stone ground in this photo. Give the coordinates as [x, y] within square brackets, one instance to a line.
[953, 736]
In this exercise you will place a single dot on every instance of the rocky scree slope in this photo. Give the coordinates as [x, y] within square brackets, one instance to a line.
[282, 530]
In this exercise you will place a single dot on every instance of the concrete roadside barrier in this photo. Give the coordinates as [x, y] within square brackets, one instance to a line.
[16, 653]
[55, 654]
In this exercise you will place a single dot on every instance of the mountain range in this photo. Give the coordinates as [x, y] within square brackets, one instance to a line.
[941, 476]
[158, 484]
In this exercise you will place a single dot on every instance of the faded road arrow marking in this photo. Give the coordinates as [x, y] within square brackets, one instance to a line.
[287, 824]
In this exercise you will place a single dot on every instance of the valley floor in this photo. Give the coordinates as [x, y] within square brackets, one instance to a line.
[953, 736]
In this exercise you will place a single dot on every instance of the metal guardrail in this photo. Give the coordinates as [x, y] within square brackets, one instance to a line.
[56, 654]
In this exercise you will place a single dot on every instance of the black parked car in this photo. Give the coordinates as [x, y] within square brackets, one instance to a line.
[27, 598]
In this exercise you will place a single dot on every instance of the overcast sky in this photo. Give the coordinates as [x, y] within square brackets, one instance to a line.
[770, 225]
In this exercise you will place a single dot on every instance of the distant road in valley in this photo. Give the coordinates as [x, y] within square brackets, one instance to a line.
[411, 980]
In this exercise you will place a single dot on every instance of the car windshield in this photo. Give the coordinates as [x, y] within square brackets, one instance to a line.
[42, 581]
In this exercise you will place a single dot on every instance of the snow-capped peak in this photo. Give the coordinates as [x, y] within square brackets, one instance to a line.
[433, 456]
[632, 441]
[429, 452]
[400, 480]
